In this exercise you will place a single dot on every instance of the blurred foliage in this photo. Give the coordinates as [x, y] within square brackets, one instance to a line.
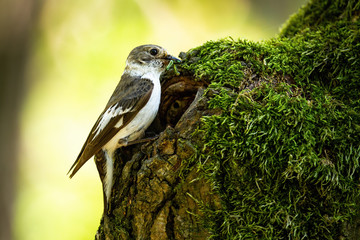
[79, 53]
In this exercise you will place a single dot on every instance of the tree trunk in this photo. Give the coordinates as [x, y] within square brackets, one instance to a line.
[256, 140]
[153, 197]
[17, 19]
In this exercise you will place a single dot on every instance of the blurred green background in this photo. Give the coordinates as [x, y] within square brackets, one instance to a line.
[77, 58]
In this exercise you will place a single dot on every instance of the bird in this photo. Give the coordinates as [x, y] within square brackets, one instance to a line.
[129, 112]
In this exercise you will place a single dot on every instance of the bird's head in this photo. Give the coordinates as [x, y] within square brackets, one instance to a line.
[148, 58]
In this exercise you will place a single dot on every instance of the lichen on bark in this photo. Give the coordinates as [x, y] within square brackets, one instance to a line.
[256, 140]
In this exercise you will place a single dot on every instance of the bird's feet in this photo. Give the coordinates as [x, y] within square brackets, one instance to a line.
[142, 140]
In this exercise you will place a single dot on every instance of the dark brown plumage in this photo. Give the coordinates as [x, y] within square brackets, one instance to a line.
[129, 111]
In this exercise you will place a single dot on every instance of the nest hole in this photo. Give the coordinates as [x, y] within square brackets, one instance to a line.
[176, 96]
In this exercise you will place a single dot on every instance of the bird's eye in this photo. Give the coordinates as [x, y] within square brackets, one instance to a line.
[154, 51]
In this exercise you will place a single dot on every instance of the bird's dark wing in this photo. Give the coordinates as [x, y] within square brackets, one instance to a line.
[129, 97]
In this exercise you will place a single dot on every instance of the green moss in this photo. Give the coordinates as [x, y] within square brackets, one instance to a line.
[284, 156]
[319, 13]
[283, 163]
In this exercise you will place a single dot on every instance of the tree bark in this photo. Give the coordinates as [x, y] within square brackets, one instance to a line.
[151, 198]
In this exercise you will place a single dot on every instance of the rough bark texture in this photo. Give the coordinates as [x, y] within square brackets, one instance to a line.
[151, 198]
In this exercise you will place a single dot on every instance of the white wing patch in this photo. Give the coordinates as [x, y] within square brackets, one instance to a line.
[120, 122]
[110, 113]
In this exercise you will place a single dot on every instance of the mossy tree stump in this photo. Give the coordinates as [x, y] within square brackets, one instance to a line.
[256, 140]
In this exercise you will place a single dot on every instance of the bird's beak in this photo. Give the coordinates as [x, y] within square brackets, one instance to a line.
[169, 57]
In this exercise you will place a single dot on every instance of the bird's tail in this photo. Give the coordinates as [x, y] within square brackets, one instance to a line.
[79, 162]
[74, 168]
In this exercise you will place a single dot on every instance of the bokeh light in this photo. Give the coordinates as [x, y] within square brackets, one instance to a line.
[78, 56]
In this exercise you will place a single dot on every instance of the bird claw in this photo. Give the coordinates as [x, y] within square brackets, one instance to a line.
[123, 142]
[143, 140]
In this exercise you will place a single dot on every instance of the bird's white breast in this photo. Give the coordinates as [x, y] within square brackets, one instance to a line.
[143, 118]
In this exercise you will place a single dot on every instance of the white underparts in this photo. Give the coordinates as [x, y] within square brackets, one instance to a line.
[109, 171]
